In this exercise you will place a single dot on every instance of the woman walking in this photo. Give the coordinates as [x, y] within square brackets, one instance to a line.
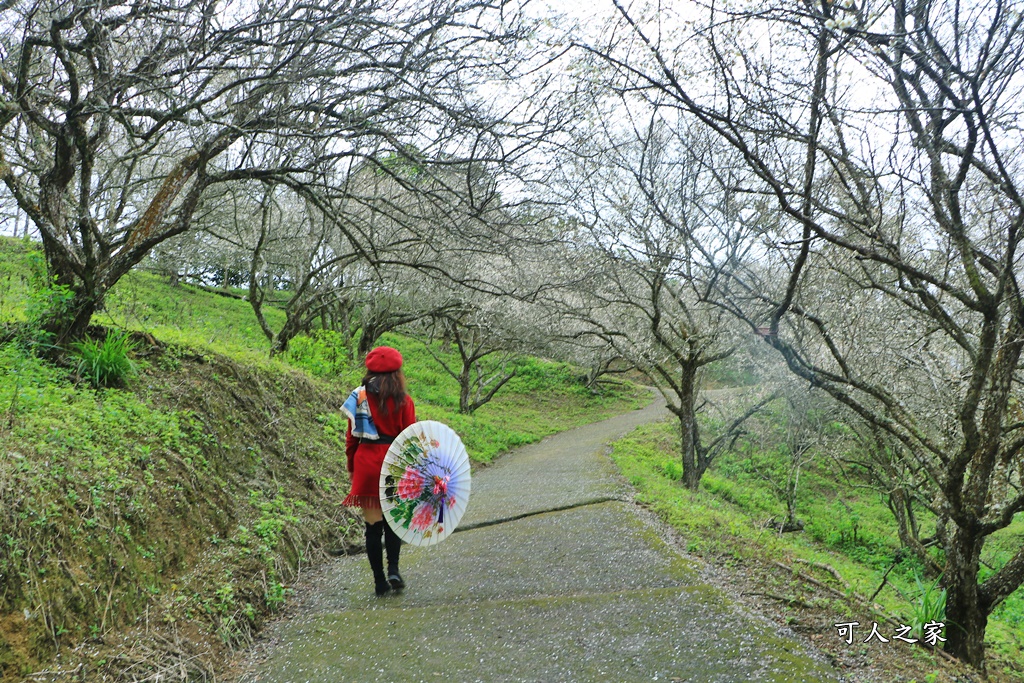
[377, 411]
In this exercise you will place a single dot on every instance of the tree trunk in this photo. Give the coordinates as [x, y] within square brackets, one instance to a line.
[692, 468]
[691, 471]
[966, 613]
[901, 505]
[464, 391]
[367, 339]
[68, 323]
[791, 508]
[67, 320]
[295, 324]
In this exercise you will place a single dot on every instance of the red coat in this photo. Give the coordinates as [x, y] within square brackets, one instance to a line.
[365, 459]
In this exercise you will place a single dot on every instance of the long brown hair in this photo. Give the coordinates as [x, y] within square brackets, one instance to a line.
[385, 385]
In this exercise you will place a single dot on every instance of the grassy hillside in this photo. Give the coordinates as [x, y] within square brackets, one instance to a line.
[154, 527]
[848, 528]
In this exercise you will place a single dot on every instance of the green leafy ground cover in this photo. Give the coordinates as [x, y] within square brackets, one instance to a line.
[162, 522]
[848, 527]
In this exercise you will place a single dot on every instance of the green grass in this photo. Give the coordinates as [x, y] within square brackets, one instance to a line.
[144, 302]
[711, 523]
[187, 315]
[88, 479]
[848, 527]
[21, 269]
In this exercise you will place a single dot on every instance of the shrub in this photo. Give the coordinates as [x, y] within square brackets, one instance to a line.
[106, 363]
[322, 353]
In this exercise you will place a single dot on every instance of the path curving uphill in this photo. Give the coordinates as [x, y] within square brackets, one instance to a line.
[552, 576]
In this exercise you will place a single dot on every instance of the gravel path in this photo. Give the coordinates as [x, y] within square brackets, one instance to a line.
[552, 576]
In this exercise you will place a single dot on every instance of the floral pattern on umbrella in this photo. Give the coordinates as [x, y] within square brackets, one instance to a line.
[425, 483]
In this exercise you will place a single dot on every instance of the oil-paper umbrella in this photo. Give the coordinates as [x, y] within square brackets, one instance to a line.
[424, 483]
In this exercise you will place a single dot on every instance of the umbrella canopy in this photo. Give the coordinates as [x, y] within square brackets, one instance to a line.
[424, 483]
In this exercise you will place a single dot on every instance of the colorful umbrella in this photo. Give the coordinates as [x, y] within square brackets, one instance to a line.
[424, 483]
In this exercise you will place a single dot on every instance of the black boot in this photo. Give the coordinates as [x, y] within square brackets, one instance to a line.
[394, 545]
[375, 553]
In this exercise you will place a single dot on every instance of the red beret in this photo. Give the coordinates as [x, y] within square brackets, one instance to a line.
[383, 359]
